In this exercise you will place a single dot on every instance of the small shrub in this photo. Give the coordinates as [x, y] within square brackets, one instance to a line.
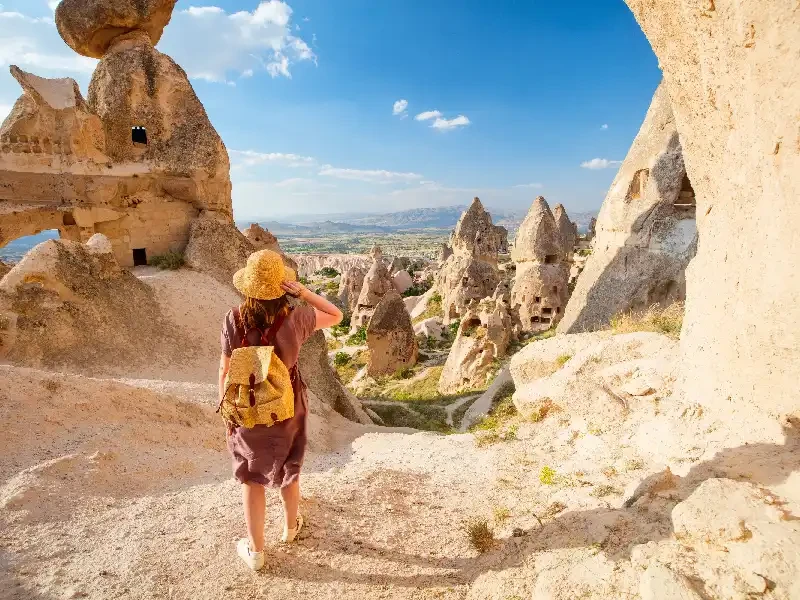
[418, 288]
[667, 321]
[545, 407]
[433, 309]
[332, 287]
[341, 359]
[501, 513]
[334, 344]
[404, 373]
[563, 359]
[601, 491]
[585, 252]
[436, 297]
[453, 329]
[480, 535]
[342, 328]
[634, 464]
[329, 272]
[609, 472]
[359, 338]
[547, 476]
[304, 281]
[171, 261]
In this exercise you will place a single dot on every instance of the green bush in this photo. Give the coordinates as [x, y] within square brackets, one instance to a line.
[342, 328]
[171, 260]
[341, 359]
[304, 281]
[329, 272]
[419, 288]
[359, 338]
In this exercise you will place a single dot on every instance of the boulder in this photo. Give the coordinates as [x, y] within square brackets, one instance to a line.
[730, 67]
[390, 337]
[377, 283]
[261, 238]
[401, 281]
[482, 340]
[350, 286]
[661, 583]
[90, 26]
[430, 328]
[217, 248]
[646, 231]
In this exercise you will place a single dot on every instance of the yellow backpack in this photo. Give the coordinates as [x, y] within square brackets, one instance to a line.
[258, 387]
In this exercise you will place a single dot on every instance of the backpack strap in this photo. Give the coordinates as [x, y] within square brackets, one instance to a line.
[267, 337]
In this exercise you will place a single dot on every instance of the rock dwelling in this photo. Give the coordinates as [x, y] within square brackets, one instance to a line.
[137, 161]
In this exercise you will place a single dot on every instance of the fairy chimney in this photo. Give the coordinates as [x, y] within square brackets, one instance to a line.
[390, 337]
[567, 230]
[539, 293]
[377, 283]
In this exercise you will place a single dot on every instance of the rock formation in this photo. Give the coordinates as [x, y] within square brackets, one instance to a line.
[471, 272]
[402, 281]
[730, 69]
[216, 248]
[445, 252]
[646, 231]
[309, 264]
[567, 230]
[377, 283]
[482, 339]
[539, 292]
[350, 286]
[262, 239]
[390, 337]
[4, 268]
[136, 162]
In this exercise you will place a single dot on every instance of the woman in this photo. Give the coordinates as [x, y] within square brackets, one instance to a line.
[271, 456]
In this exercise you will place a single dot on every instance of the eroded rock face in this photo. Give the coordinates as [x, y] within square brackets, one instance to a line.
[475, 235]
[646, 230]
[309, 264]
[568, 231]
[539, 293]
[4, 268]
[390, 337]
[350, 287]
[730, 69]
[482, 339]
[90, 26]
[445, 252]
[217, 248]
[377, 283]
[261, 238]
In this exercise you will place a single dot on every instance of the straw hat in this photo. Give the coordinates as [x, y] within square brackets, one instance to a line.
[262, 276]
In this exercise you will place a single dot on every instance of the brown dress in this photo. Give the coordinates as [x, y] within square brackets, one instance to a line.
[272, 456]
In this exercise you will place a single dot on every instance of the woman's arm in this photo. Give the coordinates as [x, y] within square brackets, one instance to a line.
[224, 367]
[327, 313]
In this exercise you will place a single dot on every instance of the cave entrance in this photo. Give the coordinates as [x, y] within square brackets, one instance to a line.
[139, 135]
[139, 257]
[686, 197]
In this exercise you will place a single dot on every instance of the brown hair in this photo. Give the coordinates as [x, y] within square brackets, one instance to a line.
[260, 314]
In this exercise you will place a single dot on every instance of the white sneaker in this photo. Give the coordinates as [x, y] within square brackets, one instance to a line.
[254, 560]
[290, 534]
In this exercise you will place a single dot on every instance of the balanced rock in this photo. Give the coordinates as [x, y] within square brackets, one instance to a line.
[646, 230]
[540, 289]
[350, 286]
[390, 337]
[731, 70]
[90, 26]
[261, 238]
[377, 283]
[482, 339]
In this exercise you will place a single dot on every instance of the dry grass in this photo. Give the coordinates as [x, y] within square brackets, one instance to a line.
[423, 389]
[501, 513]
[480, 535]
[667, 320]
[433, 309]
[334, 344]
[498, 425]
[350, 369]
[547, 476]
[563, 359]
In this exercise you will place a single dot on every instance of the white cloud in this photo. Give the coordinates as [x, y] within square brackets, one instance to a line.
[399, 107]
[600, 163]
[604, 126]
[32, 43]
[214, 45]
[53, 4]
[529, 185]
[250, 158]
[368, 175]
[429, 114]
[447, 124]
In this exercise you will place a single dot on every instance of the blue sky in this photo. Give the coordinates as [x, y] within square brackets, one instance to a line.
[303, 94]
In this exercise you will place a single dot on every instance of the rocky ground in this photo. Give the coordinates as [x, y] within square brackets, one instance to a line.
[120, 488]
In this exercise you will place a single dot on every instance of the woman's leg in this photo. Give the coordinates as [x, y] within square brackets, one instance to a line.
[255, 508]
[290, 496]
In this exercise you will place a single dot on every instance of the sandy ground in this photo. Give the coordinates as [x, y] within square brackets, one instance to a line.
[115, 488]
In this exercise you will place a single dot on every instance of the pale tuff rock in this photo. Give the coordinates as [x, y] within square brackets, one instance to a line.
[377, 283]
[471, 272]
[445, 252]
[730, 69]
[476, 236]
[217, 248]
[646, 231]
[482, 339]
[99, 244]
[350, 286]
[660, 583]
[568, 231]
[90, 26]
[390, 337]
[309, 264]
[431, 327]
[137, 161]
[4, 268]
[539, 293]
[402, 281]
[262, 239]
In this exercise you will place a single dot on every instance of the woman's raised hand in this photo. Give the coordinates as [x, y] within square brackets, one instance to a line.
[293, 288]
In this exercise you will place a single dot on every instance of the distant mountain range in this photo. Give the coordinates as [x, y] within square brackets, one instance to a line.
[444, 218]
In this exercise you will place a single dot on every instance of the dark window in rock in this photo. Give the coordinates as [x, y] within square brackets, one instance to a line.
[558, 310]
[139, 257]
[534, 319]
[686, 195]
[139, 135]
[538, 299]
[68, 219]
[547, 311]
[638, 183]
[555, 289]
[545, 320]
[550, 259]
